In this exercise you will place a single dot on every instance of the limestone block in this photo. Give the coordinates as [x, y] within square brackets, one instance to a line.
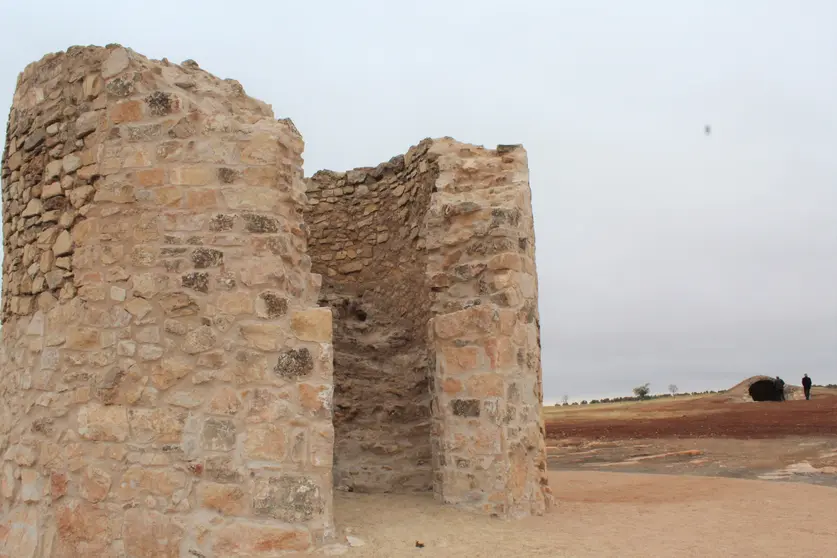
[312, 325]
[99, 423]
[149, 533]
[116, 62]
[265, 442]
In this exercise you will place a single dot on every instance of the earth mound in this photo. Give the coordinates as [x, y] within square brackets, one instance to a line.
[761, 388]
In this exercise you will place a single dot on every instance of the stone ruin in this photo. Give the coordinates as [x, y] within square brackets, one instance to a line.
[200, 345]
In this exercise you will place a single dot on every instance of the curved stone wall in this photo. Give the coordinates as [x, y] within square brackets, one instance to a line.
[367, 228]
[428, 263]
[488, 435]
[166, 376]
[166, 368]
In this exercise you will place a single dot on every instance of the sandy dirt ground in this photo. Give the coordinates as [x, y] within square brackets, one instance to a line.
[811, 460]
[607, 514]
[610, 502]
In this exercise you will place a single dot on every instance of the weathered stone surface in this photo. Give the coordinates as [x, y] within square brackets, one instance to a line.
[254, 223]
[271, 305]
[235, 303]
[294, 364]
[207, 257]
[466, 407]
[116, 63]
[95, 484]
[169, 371]
[225, 402]
[315, 398]
[288, 498]
[34, 139]
[31, 486]
[265, 442]
[58, 485]
[87, 123]
[268, 406]
[156, 425]
[139, 481]
[149, 534]
[224, 498]
[34, 207]
[104, 424]
[199, 340]
[177, 305]
[83, 529]
[197, 281]
[63, 244]
[263, 336]
[218, 434]
[71, 163]
[138, 307]
[20, 538]
[221, 468]
[245, 539]
[312, 325]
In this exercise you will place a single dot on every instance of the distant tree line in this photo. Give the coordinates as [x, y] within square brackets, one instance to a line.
[637, 398]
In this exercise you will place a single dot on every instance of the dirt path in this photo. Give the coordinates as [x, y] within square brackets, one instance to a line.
[609, 514]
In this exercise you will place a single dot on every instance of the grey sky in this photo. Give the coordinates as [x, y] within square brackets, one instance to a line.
[664, 255]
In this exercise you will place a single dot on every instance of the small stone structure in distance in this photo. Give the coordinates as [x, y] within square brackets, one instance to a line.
[200, 345]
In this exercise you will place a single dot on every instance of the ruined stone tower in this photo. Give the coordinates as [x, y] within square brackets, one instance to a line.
[168, 385]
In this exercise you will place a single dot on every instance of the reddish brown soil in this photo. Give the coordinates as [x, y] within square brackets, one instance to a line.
[709, 417]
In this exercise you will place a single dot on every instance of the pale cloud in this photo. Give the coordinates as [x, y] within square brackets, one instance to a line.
[665, 255]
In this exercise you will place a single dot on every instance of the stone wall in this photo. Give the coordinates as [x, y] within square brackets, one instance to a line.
[166, 367]
[366, 240]
[165, 386]
[428, 265]
[488, 433]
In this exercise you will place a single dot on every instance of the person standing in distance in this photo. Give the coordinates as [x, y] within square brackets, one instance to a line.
[806, 385]
[780, 388]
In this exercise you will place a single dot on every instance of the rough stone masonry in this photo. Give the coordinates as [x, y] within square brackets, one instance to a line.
[168, 384]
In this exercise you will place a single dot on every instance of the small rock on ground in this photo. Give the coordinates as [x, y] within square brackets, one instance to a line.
[355, 541]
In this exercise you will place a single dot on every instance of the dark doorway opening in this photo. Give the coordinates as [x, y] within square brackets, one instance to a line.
[765, 390]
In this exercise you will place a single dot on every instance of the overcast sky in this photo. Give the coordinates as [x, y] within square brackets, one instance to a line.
[665, 255]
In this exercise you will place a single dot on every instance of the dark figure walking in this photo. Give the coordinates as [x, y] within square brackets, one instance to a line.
[780, 387]
[806, 385]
